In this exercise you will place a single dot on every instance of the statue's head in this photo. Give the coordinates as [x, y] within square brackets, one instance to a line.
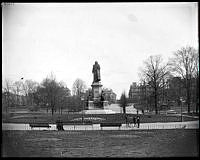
[96, 62]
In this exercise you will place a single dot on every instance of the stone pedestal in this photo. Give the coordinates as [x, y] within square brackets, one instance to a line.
[92, 106]
[105, 103]
[96, 91]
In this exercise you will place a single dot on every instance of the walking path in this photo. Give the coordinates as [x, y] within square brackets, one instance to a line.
[143, 126]
[190, 116]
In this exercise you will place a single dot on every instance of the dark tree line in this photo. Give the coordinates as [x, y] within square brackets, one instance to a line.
[157, 75]
[185, 64]
[50, 94]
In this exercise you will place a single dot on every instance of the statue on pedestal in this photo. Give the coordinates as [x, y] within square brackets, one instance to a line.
[96, 72]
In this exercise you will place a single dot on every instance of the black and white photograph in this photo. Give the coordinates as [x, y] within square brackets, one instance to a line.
[108, 80]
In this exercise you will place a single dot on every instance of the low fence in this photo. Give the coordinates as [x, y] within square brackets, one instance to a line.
[146, 126]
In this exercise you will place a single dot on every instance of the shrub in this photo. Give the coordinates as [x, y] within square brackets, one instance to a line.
[34, 108]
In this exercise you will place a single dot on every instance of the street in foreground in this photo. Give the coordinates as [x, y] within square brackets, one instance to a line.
[143, 143]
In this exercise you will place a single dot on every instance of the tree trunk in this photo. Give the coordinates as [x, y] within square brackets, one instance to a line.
[17, 99]
[52, 111]
[125, 118]
[124, 110]
[188, 94]
[155, 100]
[197, 94]
[7, 108]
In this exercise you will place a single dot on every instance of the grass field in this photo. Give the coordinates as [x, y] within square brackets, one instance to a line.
[152, 143]
[21, 114]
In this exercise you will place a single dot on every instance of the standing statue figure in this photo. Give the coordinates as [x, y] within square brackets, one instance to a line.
[96, 72]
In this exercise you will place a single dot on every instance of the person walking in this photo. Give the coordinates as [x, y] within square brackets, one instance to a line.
[143, 111]
[138, 121]
[59, 125]
[134, 121]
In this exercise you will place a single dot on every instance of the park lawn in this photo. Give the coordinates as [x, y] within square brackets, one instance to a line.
[151, 143]
[48, 118]
[21, 114]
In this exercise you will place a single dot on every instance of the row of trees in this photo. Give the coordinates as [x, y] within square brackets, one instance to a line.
[156, 75]
[49, 93]
[18, 92]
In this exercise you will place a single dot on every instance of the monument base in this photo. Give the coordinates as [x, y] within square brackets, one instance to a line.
[96, 90]
[95, 109]
[92, 105]
[99, 111]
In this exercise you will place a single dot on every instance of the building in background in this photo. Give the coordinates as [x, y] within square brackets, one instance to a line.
[137, 92]
[109, 95]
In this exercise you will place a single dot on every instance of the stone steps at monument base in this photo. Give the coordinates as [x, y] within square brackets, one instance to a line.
[98, 111]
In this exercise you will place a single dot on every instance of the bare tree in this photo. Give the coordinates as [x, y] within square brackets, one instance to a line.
[78, 87]
[153, 73]
[53, 94]
[7, 93]
[30, 87]
[123, 103]
[50, 91]
[184, 64]
[62, 95]
[196, 75]
[17, 88]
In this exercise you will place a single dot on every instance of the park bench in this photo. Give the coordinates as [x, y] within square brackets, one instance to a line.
[110, 125]
[43, 125]
[59, 124]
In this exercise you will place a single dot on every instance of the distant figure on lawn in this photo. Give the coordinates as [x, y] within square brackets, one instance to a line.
[134, 121]
[138, 121]
[59, 125]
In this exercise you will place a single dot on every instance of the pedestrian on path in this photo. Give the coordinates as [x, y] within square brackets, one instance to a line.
[143, 111]
[138, 121]
[59, 125]
[134, 121]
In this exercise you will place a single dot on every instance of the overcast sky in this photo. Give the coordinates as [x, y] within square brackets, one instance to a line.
[67, 39]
